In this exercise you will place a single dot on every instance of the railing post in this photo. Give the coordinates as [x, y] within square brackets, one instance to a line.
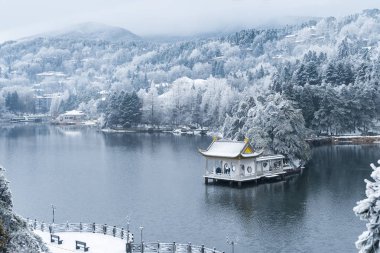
[122, 233]
[105, 229]
[114, 231]
[142, 247]
[128, 247]
[203, 249]
[174, 247]
[93, 227]
[189, 247]
[50, 229]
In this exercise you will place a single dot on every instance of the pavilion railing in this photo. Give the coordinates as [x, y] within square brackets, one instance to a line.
[143, 247]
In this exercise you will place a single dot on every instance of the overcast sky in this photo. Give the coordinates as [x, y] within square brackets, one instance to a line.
[20, 18]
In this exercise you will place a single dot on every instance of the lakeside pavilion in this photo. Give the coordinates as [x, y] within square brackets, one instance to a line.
[237, 161]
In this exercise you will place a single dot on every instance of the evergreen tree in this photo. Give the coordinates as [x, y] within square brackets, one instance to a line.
[331, 75]
[340, 72]
[276, 84]
[304, 98]
[276, 125]
[362, 74]
[343, 49]
[300, 77]
[112, 110]
[130, 110]
[348, 75]
[326, 115]
[368, 210]
[12, 101]
[233, 125]
[367, 111]
[311, 73]
[196, 115]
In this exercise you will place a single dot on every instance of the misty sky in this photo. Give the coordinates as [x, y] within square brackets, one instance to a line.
[20, 18]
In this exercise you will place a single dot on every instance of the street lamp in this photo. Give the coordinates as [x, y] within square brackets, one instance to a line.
[141, 229]
[53, 208]
[231, 242]
[128, 221]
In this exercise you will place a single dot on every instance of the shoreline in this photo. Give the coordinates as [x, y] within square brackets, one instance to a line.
[341, 139]
[315, 141]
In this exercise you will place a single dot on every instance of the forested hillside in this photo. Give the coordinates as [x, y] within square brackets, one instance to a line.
[325, 73]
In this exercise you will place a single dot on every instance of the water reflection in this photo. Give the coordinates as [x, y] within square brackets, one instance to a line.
[23, 130]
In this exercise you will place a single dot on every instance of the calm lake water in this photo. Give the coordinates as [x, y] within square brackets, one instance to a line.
[157, 181]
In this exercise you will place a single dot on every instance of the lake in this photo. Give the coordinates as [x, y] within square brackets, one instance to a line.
[156, 179]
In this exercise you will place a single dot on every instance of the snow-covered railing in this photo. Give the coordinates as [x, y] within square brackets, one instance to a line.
[80, 227]
[159, 247]
[143, 247]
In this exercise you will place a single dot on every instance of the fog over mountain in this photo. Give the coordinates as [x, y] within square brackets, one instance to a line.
[92, 31]
[20, 18]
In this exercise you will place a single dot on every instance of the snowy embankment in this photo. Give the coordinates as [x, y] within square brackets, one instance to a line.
[98, 243]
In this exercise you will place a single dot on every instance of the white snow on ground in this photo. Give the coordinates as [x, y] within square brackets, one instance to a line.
[98, 243]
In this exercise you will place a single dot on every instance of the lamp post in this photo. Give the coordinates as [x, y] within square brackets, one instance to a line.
[53, 209]
[141, 230]
[231, 242]
[128, 221]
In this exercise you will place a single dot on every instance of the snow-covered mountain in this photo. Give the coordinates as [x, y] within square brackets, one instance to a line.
[93, 31]
[316, 64]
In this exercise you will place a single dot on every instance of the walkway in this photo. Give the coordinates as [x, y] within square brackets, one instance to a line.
[98, 243]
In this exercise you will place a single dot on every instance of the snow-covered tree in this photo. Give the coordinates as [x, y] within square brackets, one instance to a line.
[14, 233]
[276, 125]
[369, 210]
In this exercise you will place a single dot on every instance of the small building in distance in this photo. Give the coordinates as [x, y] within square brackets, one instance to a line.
[73, 117]
[237, 161]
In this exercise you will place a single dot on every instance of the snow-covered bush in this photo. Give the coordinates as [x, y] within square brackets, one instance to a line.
[369, 210]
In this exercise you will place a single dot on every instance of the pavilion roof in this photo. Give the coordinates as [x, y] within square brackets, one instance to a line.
[230, 149]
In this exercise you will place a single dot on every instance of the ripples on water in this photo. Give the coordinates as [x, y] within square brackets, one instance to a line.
[157, 180]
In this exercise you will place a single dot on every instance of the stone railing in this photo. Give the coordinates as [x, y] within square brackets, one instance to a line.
[160, 247]
[143, 247]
